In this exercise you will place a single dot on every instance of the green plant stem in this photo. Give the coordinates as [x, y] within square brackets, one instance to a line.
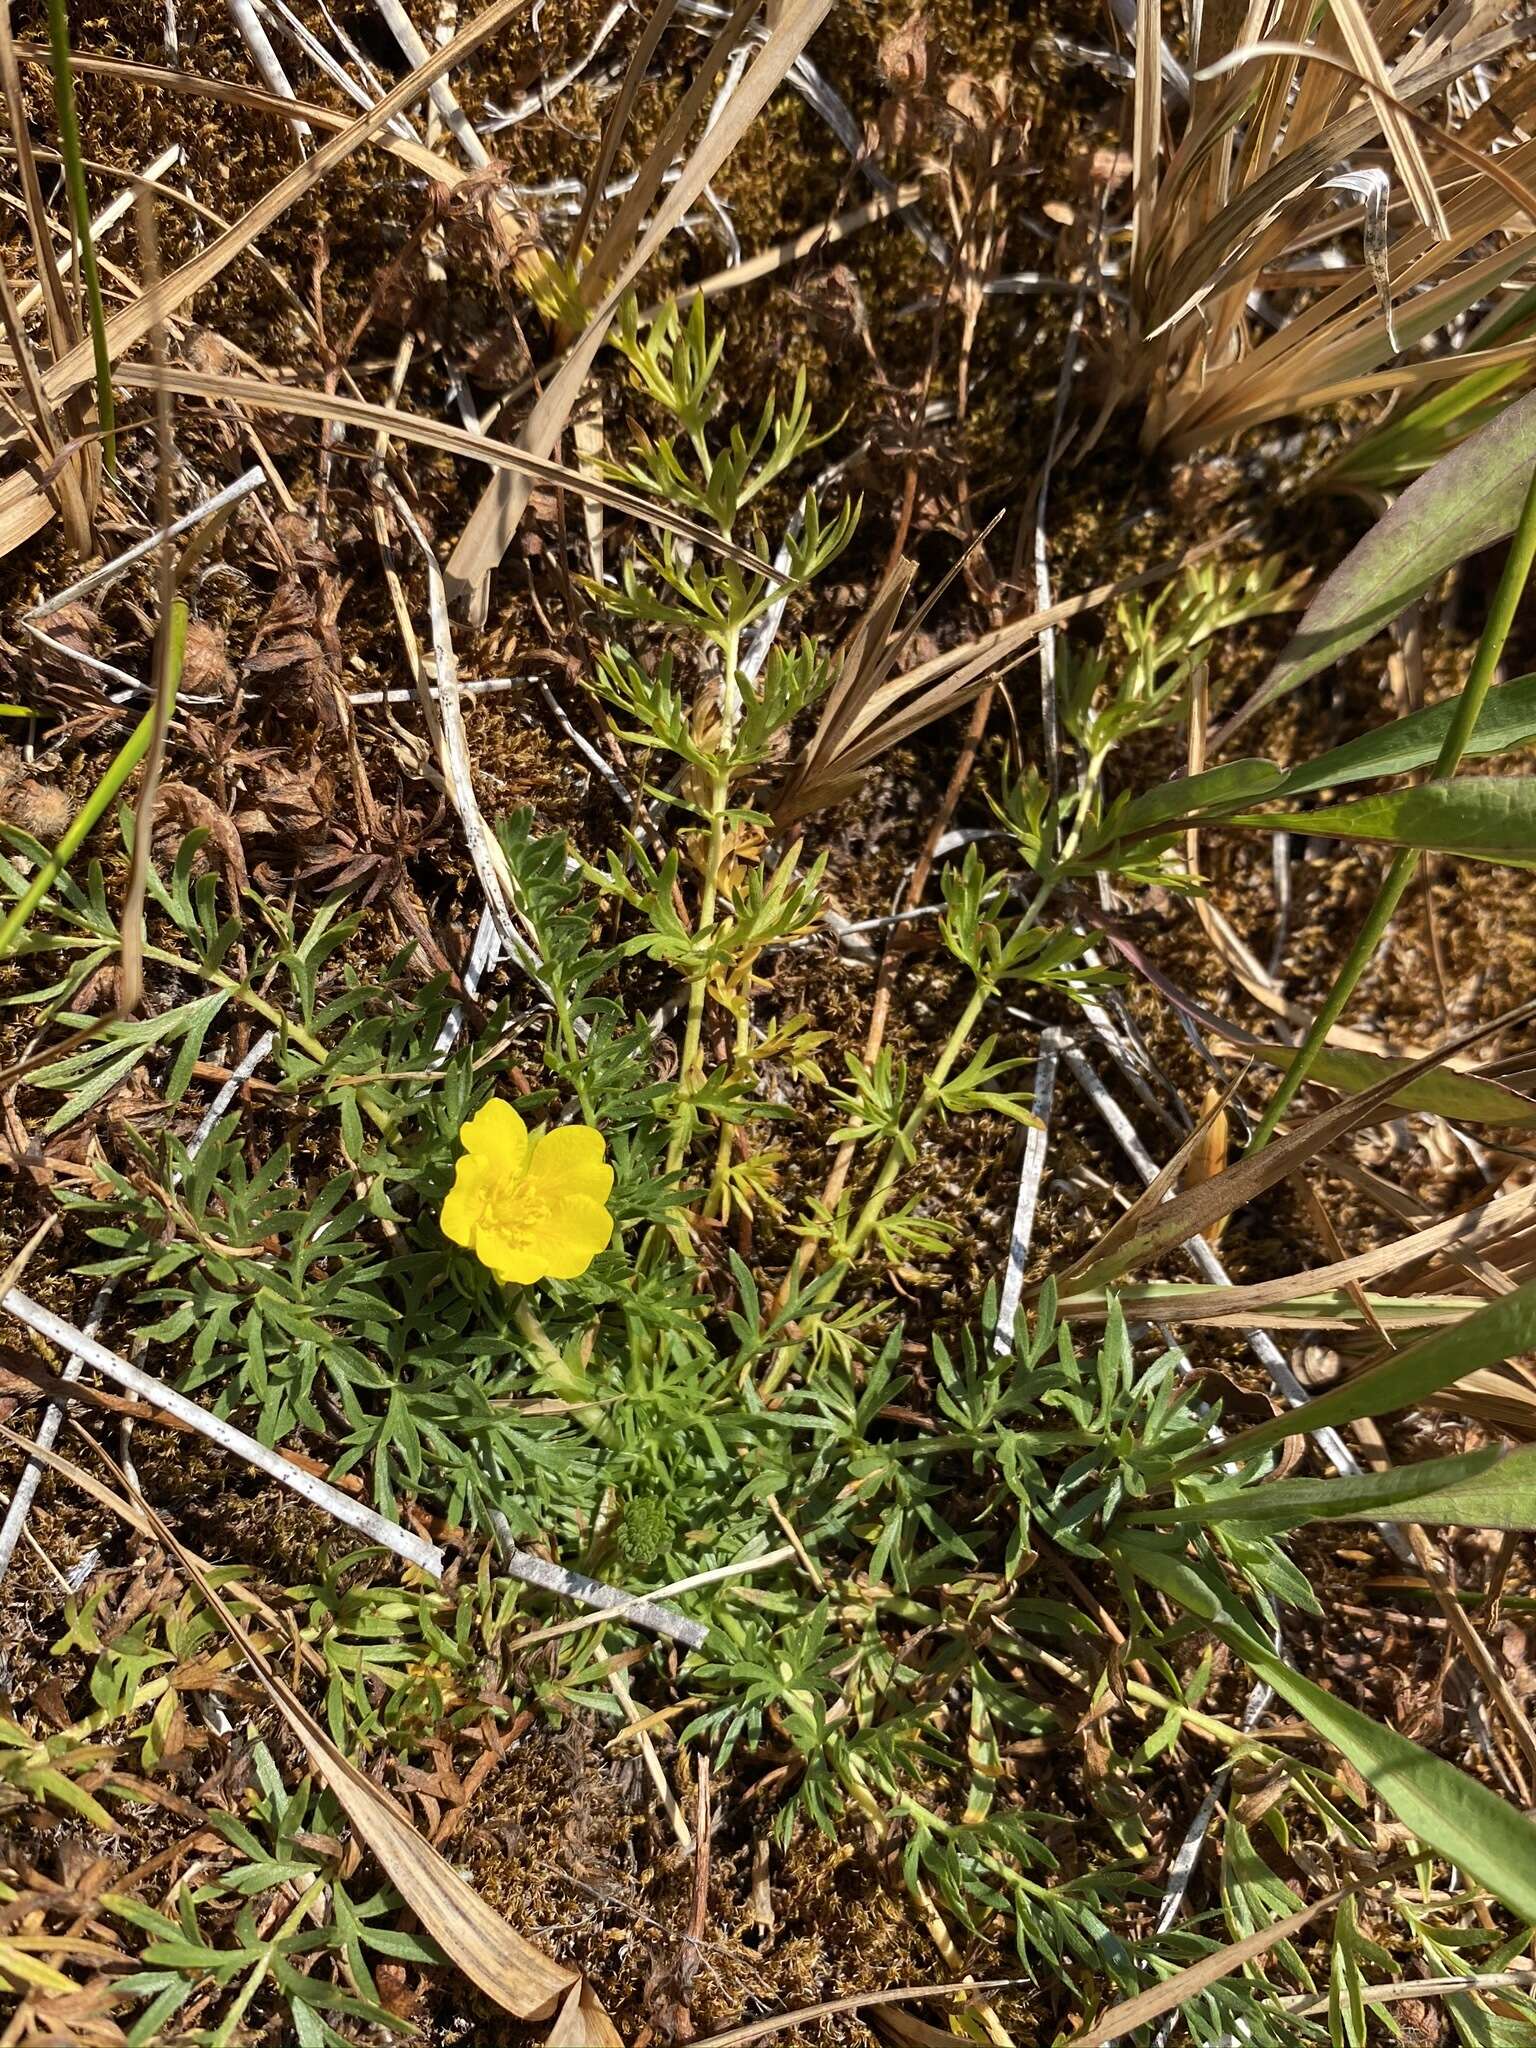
[1485, 663]
[688, 1075]
[127, 758]
[902, 1144]
[80, 212]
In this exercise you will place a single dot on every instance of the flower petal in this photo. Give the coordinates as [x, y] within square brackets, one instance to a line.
[496, 1132]
[569, 1161]
[578, 1230]
[514, 1265]
[464, 1204]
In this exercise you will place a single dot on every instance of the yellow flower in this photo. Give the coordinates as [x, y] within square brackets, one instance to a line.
[529, 1208]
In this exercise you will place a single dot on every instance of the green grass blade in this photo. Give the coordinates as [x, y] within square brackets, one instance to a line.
[1463, 723]
[1488, 1839]
[128, 757]
[1287, 1503]
[1507, 719]
[1487, 1489]
[1488, 818]
[1467, 501]
[1503, 1329]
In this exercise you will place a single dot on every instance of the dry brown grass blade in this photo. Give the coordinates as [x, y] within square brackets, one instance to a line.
[131, 324]
[168, 635]
[1146, 147]
[495, 518]
[1340, 336]
[877, 711]
[253, 99]
[613, 132]
[518, 1977]
[58, 307]
[864, 663]
[1350, 18]
[616, 249]
[1157, 1190]
[1474, 1231]
[1188, 1983]
[71, 481]
[1186, 277]
[1254, 1175]
[429, 433]
[856, 2001]
[25, 507]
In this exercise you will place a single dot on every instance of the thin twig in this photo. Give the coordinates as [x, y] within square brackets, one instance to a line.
[53, 1415]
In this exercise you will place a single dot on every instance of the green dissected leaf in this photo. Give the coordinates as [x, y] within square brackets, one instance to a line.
[96, 1069]
[1468, 500]
[1482, 1834]
[1502, 1330]
[1507, 719]
[1484, 817]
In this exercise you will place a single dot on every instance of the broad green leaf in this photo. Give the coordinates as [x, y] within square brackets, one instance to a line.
[1482, 1834]
[1234, 782]
[1486, 1489]
[1466, 501]
[1368, 1496]
[1466, 1097]
[1507, 719]
[1485, 817]
[1501, 1330]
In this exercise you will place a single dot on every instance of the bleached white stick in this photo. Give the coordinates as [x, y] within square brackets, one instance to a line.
[454, 118]
[1037, 1139]
[266, 59]
[339, 1506]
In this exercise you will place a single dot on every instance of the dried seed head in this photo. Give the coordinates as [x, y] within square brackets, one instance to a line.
[39, 808]
[205, 670]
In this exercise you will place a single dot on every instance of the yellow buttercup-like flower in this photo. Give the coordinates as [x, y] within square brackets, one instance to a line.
[529, 1208]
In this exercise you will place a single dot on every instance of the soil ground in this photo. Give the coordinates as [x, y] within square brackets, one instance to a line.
[564, 1835]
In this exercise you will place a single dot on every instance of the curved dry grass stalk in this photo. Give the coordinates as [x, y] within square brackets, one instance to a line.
[25, 505]
[1228, 215]
[335, 409]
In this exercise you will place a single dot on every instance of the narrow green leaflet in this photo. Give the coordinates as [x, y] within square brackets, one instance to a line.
[1489, 817]
[1466, 501]
[1482, 1834]
[1507, 719]
[96, 1069]
[1503, 1329]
